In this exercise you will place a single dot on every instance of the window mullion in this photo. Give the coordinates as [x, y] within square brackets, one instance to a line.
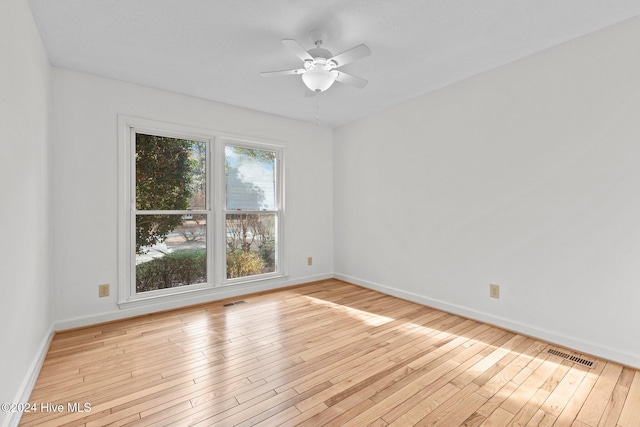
[218, 200]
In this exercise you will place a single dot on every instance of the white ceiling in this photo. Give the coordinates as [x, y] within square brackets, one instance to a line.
[214, 49]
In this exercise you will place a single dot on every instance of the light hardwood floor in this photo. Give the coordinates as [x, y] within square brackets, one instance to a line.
[326, 353]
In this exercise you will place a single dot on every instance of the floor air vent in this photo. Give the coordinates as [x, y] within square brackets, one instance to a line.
[229, 304]
[575, 359]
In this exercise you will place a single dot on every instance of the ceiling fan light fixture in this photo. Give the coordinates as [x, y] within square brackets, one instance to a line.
[319, 80]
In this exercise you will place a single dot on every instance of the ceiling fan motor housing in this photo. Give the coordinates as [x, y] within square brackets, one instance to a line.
[318, 52]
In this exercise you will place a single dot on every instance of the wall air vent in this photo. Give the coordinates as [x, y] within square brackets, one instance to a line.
[575, 359]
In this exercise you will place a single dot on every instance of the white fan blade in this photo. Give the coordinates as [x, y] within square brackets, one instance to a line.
[297, 49]
[348, 79]
[282, 73]
[357, 52]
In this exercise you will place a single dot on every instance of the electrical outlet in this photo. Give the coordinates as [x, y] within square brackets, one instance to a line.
[103, 290]
[309, 260]
[494, 291]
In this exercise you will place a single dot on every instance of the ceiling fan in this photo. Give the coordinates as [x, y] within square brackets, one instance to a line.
[319, 67]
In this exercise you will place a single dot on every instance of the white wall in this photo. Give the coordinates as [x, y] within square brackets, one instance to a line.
[24, 194]
[85, 177]
[526, 176]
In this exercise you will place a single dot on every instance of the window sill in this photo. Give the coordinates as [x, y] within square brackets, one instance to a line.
[204, 292]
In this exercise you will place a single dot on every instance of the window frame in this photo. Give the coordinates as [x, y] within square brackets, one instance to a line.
[278, 209]
[215, 209]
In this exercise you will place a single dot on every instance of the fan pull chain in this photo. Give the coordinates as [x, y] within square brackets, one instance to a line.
[317, 110]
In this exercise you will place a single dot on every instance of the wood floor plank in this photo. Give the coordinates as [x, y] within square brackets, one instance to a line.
[420, 411]
[530, 408]
[512, 369]
[340, 413]
[322, 354]
[456, 409]
[630, 416]
[575, 402]
[529, 387]
[499, 418]
[596, 403]
[304, 416]
[563, 391]
[541, 419]
[614, 407]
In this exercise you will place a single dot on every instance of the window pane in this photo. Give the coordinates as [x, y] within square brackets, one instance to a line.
[250, 177]
[170, 173]
[251, 244]
[171, 251]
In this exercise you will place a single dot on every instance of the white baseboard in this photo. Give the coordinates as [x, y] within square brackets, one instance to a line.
[13, 418]
[604, 352]
[188, 299]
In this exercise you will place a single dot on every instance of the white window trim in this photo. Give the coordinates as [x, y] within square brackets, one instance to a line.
[216, 234]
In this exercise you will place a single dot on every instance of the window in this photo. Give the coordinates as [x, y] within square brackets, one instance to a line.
[198, 210]
[170, 212]
[251, 214]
